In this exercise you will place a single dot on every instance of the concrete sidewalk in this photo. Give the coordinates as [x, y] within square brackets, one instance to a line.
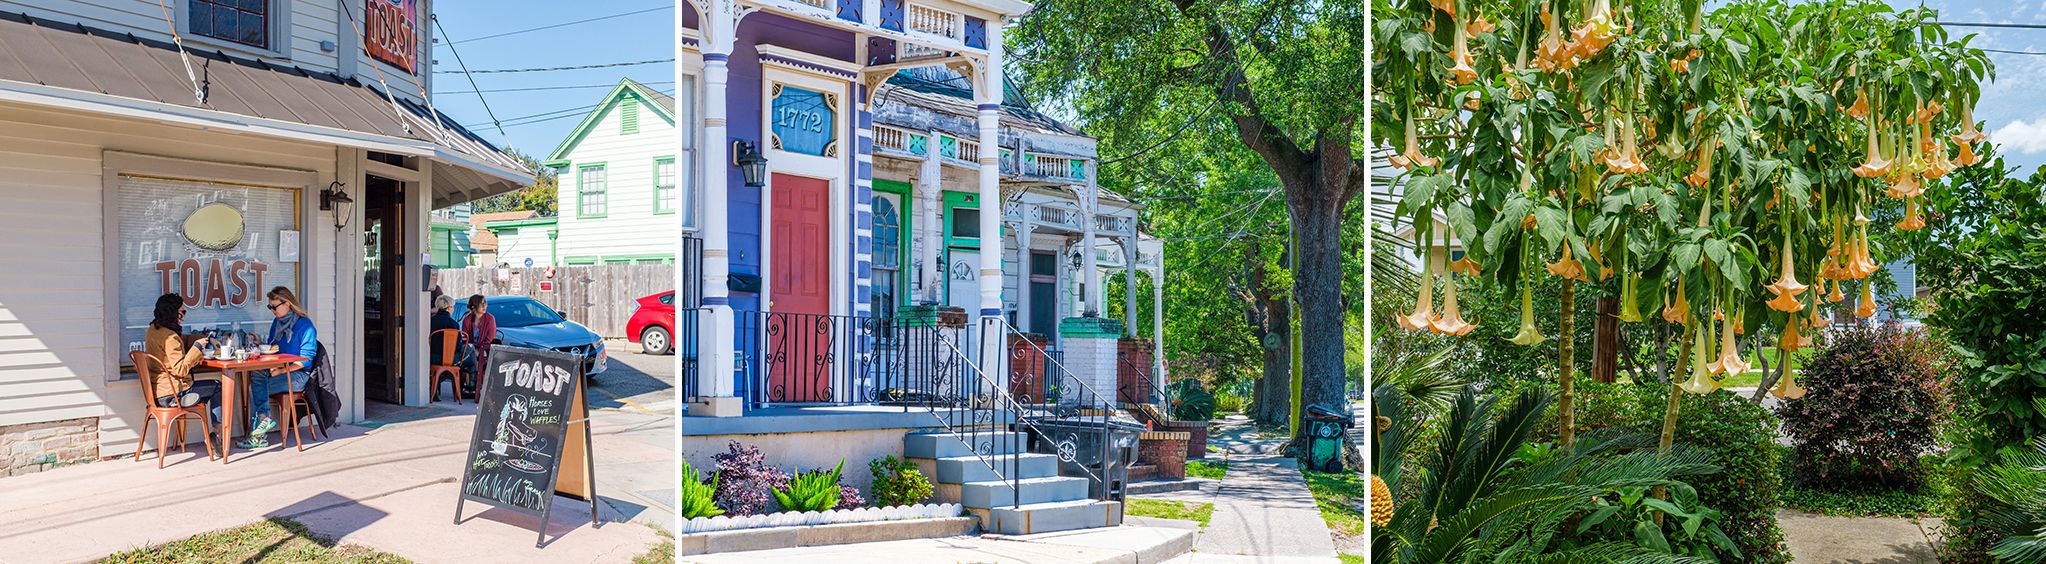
[1126, 544]
[1263, 510]
[389, 484]
[1858, 540]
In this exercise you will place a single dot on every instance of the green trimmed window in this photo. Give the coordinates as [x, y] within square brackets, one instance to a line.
[628, 116]
[665, 191]
[593, 194]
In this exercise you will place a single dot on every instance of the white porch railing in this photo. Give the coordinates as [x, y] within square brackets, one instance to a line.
[1050, 166]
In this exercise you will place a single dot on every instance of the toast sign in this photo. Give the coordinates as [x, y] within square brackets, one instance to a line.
[389, 33]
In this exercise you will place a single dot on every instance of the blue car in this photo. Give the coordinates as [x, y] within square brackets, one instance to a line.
[525, 322]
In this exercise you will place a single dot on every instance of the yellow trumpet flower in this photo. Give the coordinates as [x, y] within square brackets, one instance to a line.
[1790, 340]
[1461, 72]
[1701, 381]
[1568, 267]
[1676, 310]
[1730, 361]
[1967, 156]
[1447, 6]
[1630, 311]
[1424, 305]
[1787, 387]
[1968, 135]
[1464, 266]
[1699, 176]
[1874, 165]
[1860, 108]
[1479, 26]
[1412, 157]
[1528, 336]
[1836, 295]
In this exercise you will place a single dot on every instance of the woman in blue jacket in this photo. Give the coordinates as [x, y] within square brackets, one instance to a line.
[292, 331]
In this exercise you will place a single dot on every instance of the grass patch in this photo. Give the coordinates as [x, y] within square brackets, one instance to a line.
[1923, 500]
[1338, 495]
[663, 553]
[1351, 558]
[274, 540]
[1168, 509]
[1205, 469]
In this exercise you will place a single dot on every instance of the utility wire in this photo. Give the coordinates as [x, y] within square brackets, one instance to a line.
[554, 115]
[538, 88]
[552, 69]
[563, 24]
[1986, 24]
[501, 135]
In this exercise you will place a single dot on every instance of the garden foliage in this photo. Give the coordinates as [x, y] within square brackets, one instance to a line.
[698, 498]
[813, 491]
[1190, 401]
[1740, 437]
[745, 481]
[1875, 399]
[898, 482]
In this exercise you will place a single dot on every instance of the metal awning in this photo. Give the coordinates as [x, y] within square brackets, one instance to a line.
[78, 67]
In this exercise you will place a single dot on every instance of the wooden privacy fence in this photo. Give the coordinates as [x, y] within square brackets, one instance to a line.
[600, 297]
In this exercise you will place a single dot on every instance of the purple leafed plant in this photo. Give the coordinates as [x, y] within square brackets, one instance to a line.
[745, 480]
[849, 498]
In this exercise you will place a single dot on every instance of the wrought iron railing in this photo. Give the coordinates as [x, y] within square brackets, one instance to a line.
[1077, 410]
[689, 274]
[1035, 376]
[687, 346]
[1134, 383]
[807, 359]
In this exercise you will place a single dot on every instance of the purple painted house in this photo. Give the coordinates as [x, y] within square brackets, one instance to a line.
[900, 256]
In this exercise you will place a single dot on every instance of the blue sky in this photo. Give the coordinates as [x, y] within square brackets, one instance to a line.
[639, 37]
[2014, 106]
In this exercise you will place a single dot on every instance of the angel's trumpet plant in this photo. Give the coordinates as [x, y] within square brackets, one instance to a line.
[1451, 321]
[1552, 49]
[1875, 165]
[1867, 307]
[1860, 108]
[1630, 312]
[1837, 295]
[1630, 157]
[1968, 135]
[1787, 388]
[1820, 321]
[1461, 72]
[1598, 30]
[1912, 221]
[1568, 267]
[1906, 187]
[1528, 336]
[1966, 157]
[1730, 361]
[1447, 6]
[1703, 173]
[1423, 316]
[1791, 340]
[1479, 26]
[1677, 310]
[1701, 381]
[1412, 157]
[1786, 288]
[1464, 266]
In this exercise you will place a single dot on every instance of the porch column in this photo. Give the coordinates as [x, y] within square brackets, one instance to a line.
[1023, 230]
[930, 176]
[717, 392]
[1158, 321]
[994, 338]
[1090, 269]
[1129, 283]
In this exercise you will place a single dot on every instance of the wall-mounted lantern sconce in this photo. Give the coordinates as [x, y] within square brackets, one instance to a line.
[336, 200]
[747, 157]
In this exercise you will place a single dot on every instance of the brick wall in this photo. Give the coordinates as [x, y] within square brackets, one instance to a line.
[35, 447]
[1092, 361]
[1164, 449]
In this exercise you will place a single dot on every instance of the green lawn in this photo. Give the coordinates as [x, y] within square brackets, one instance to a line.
[274, 540]
[1168, 509]
[1206, 469]
[1339, 495]
[1351, 558]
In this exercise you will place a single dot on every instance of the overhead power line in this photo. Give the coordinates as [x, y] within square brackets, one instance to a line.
[552, 69]
[538, 88]
[563, 24]
[502, 136]
[1987, 24]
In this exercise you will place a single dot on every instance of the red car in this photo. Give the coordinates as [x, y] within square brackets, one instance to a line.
[653, 324]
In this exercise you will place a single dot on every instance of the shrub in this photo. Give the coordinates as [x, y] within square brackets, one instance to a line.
[898, 482]
[1741, 438]
[698, 498]
[849, 497]
[745, 481]
[1875, 399]
[814, 491]
[1190, 401]
[1230, 402]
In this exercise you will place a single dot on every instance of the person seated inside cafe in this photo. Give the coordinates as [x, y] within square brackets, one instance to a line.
[176, 354]
[444, 318]
[293, 333]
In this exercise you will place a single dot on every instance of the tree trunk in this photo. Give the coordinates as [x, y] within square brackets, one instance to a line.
[1669, 414]
[1661, 352]
[1317, 284]
[1605, 340]
[1271, 399]
[1769, 378]
[1566, 405]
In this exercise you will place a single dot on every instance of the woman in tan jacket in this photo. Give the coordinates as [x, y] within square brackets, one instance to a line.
[176, 354]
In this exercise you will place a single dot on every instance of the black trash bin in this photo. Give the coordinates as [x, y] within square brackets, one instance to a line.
[1325, 435]
[1077, 442]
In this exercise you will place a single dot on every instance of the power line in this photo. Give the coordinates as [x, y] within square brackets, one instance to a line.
[563, 24]
[552, 69]
[537, 88]
[1986, 24]
[554, 115]
[502, 136]
[2008, 52]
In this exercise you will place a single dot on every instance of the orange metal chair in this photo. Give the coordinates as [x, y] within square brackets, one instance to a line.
[170, 421]
[291, 402]
[450, 349]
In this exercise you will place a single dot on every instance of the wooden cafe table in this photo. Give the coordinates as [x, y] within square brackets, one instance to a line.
[234, 382]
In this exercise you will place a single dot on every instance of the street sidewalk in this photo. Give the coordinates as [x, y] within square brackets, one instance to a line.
[1263, 509]
[389, 484]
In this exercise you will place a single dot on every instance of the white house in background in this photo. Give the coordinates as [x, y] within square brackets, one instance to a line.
[620, 193]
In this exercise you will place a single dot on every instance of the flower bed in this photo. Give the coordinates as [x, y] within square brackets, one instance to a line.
[798, 519]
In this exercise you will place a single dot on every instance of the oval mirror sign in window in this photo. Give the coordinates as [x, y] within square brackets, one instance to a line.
[804, 121]
[215, 227]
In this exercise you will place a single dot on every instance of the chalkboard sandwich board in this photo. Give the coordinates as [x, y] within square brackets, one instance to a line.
[532, 436]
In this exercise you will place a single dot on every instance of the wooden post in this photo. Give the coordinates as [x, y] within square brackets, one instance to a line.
[1605, 340]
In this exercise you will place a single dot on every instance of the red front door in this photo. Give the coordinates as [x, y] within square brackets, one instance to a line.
[799, 333]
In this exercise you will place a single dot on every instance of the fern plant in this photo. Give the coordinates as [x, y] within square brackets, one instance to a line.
[814, 491]
[1476, 501]
[2018, 483]
[699, 499]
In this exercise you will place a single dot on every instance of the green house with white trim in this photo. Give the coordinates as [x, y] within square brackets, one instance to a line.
[619, 189]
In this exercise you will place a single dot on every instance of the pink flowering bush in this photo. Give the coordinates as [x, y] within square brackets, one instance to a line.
[1876, 399]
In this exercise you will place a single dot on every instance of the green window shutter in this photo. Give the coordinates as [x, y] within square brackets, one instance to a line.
[628, 116]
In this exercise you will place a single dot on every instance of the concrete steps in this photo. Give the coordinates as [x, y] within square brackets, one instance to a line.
[1011, 490]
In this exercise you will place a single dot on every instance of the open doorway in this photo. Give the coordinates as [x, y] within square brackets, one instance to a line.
[383, 267]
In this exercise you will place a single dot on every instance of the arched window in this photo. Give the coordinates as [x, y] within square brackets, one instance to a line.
[887, 253]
